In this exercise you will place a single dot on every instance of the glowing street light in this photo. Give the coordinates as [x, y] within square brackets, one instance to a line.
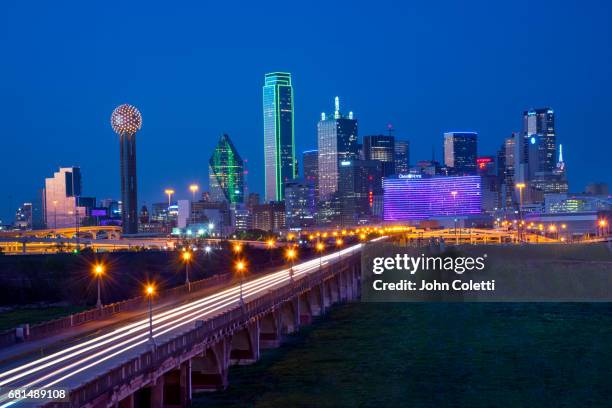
[320, 249]
[270, 244]
[194, 189]
[240, 269]
[187, 258]
[169, 193]
[98, 272]
[150, 292]
[237, 248]
[291, 254]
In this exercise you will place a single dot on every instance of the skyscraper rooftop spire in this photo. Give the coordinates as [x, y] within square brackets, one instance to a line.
[337, 108]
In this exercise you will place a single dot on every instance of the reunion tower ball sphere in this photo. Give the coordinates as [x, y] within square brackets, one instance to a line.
[126, 119]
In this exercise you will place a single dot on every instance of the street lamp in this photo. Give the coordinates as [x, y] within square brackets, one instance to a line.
[194, 189]
[291, 254]
[187, 258]
[149, 292]
[339, 243]
[602, 224]
[520, 187]
[320, 249]
[240, 268]
[270, 245]
[169, 193]
[98, 272]
[237, 248]
[54, 214]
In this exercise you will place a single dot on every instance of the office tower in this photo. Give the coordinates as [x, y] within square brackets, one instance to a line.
[300, 204]
[539, 128]
[402, 157]
[460, 150]
[269, 216]
[487, 170]
[126, 121]
[550, 182]
[252, 200]
[61, 199]
[279, 139]
[310, 164]
[382, 149]
[509, 151]
[360, 184]
[337, 140]
[226, 173]
[23, 217]
[413, 199]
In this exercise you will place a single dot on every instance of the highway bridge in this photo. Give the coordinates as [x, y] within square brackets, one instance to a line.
[187, 346]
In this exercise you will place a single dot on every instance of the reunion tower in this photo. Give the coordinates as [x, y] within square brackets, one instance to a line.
[126, 121]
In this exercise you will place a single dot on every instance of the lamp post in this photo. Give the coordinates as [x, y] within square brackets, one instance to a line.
[291, 254]
[520, 187]
[54, 215]
[187, 258]
[320, 249]
[240, 268]
[150, 291]
[194, 189]
[602, 225]
[339, 243]
[98, 272]
[270, 245]
[169, 193]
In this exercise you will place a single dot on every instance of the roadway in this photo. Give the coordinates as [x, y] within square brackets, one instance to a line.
[84, 359]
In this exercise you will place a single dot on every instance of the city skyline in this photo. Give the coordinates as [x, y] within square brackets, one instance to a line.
[50, 138]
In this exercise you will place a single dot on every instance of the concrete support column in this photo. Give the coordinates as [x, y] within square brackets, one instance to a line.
[209, 371]
[127, 402]
[157, 393]
[186, 391]
[269, 330]
[305, 310]
[245, 345]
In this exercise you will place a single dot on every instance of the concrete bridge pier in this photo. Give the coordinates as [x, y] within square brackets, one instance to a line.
[290, 316]
[269, 330]
[305, 310]
[315, 299]
[245, 344]
[209, 371]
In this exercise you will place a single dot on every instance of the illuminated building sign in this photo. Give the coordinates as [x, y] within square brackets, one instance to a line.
[419, 199]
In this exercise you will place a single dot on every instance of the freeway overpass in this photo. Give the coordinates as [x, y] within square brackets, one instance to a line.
[194, 342]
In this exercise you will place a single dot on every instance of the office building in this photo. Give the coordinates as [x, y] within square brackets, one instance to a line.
[61, 205]
[269, 216]
[539, 128]
[382, 149]
[421, 198]
[402, 157]
[310, 164]
[226, 173]
[337, 140]
[360, 184]
[460, 150]
[300, 204]
[279, 139]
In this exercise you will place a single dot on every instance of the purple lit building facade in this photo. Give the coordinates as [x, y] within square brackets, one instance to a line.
[415, 198]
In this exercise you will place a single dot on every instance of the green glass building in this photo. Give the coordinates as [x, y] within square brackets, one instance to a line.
[279, 143]
[226, 173]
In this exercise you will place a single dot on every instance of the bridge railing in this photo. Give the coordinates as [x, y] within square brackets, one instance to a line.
[206, 333]
[55, 326]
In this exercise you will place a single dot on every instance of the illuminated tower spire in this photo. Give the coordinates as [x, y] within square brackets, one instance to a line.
[126, 121]
[337, 108]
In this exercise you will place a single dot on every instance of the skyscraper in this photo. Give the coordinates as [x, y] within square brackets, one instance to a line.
[382, 149]
[226, 173]
[460, 150]
[360, 184]
[61, 204]
[337, 139]
[279, 143]
[402, 157]
[310, 163]
[126, 121]
[539, 128]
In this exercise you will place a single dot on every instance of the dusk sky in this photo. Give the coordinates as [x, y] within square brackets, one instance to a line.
[196, 71]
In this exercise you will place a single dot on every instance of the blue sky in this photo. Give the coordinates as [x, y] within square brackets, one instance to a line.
[196, 70]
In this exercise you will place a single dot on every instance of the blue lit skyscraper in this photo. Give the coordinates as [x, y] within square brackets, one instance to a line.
[279, 143]
[460, 150]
